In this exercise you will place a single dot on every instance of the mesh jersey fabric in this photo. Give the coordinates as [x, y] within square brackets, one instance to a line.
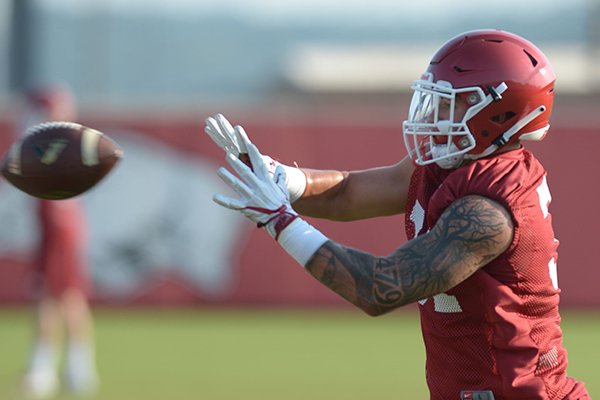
[499, 329]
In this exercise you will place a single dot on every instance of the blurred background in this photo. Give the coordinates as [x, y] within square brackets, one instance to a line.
[196, 290]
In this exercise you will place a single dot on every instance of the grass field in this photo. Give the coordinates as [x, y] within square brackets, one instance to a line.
[219, 354]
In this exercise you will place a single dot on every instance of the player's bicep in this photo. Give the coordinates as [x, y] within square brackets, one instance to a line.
[470, 233]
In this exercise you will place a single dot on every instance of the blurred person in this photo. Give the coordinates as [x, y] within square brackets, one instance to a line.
[481, 256]
[60, 283]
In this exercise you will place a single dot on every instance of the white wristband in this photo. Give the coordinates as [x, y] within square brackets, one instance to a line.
[301, 240]
[295, 181]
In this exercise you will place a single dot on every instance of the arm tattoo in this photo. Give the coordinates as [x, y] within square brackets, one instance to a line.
[471, 232]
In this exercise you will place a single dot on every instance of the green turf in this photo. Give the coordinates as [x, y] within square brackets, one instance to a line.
[264, 354]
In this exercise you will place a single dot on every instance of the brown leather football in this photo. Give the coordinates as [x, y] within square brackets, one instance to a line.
[58, 160]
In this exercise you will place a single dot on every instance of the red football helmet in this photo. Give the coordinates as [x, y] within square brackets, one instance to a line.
[482, 90]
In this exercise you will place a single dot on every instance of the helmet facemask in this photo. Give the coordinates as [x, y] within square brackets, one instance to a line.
[436, 130]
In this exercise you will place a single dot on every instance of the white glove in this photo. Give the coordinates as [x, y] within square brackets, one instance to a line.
[263, 198]
[234, 140]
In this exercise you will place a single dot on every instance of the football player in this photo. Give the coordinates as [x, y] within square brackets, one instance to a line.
[481, 259]
[60, 276]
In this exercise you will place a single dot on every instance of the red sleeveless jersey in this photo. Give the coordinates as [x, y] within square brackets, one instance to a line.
[61, 260]
[499, 330]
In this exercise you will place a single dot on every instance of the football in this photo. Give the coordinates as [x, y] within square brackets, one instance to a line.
[59, 160]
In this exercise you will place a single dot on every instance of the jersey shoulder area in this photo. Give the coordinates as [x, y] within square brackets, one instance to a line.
[505, 177]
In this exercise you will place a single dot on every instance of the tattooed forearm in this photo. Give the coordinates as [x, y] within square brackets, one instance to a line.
[469, 234]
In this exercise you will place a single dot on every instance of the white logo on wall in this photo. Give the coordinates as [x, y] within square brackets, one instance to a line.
[152, 216]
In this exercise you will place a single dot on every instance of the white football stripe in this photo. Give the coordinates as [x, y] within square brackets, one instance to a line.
[14, 158]
[89, 147]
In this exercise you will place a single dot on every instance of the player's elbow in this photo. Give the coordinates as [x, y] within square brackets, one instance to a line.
[375, 310]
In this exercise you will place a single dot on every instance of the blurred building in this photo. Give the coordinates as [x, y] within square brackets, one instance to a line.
[162, 54]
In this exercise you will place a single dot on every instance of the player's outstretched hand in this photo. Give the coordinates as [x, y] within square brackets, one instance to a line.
[235, 141]
[262, 197]
[232, 139]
